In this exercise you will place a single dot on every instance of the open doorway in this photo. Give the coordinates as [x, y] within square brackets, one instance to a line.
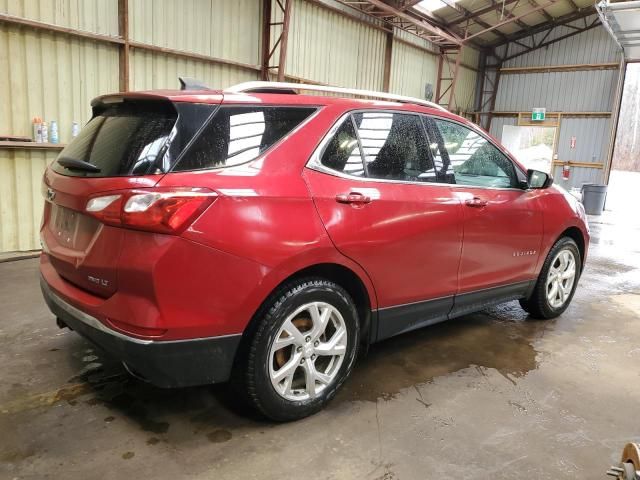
[625, 166]
[531, 145]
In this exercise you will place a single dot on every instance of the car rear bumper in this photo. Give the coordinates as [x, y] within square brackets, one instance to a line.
[172, 363]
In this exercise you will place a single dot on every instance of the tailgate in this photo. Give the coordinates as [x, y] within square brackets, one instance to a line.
[129, 143]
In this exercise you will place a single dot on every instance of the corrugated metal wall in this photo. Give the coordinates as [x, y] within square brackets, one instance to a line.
[55, 76]
[152, 70]
[21, 199]
[411, 69]
[98, 16]
[228, 30]
[327, 47]
[576, 91]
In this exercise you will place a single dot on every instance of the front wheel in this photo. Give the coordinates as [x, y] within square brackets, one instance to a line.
[557, 281]
[302, 350]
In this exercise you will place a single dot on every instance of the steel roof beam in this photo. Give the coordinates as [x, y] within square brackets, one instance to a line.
[560, 21]
[464, 11]
[403, 20]
[478, 13]
[510, 20]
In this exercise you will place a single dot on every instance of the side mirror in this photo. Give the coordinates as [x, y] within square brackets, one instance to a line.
[538, 180]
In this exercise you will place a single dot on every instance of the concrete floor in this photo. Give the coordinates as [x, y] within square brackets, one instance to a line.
[490, 395]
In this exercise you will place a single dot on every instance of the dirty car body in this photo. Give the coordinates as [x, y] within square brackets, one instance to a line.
[174, 218]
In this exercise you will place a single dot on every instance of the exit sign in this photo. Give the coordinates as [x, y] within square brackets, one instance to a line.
[537, 115]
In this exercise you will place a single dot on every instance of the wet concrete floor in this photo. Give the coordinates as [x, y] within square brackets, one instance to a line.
[490, 395]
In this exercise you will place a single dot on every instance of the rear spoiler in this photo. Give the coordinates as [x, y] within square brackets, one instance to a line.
[189, 83]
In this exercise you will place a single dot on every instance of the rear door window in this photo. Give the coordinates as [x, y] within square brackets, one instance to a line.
[126, 138]
[394, 146]
[237, 135]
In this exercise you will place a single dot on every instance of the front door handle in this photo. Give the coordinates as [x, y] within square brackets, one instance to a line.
[354, 198]
[476, 202]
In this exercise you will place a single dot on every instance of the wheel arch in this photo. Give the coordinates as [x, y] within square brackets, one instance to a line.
[342, 275]
[576, 235]
[335, 272]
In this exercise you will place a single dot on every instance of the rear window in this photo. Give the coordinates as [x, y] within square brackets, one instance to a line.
[126, 138]
[236, 135]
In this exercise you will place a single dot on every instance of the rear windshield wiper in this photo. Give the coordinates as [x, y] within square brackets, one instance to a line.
[75, 164]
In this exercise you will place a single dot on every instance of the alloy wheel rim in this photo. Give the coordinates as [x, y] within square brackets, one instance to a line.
[560, 278]
[308, 351]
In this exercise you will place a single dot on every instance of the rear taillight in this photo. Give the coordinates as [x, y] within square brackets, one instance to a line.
[157, 210]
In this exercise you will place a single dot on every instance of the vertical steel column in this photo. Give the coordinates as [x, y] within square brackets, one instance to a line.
[615, 117]
[268, 27]
[266, 38]
[477, 99]
[388, 52]
[284, 38]
[444, 62]
[454, 80]
[439, 81]
[123, 32]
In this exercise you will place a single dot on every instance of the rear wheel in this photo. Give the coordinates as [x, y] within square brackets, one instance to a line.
[557, 281]
[302, 350]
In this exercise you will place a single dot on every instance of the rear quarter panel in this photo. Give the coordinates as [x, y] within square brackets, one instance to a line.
[265, 214]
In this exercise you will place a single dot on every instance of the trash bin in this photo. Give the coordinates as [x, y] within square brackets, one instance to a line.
[593, 197]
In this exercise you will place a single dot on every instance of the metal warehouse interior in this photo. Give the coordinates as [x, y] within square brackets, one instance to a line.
[493, 394]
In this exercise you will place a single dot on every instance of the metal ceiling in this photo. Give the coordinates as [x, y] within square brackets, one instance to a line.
[478, 23]
[622, 20]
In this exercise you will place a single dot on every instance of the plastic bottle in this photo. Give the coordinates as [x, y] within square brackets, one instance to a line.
[37, 130]
[54, 132]
[45, 132]
[75, 129]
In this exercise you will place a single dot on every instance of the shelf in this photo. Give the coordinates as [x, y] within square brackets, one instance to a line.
[32, 145]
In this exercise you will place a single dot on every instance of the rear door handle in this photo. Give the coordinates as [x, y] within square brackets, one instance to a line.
[476, 202]
[354, 198]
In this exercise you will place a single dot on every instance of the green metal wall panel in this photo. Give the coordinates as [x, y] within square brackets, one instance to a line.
[411, 69]
[152, 70]
[97, 16]
[55, 77]
[228, 29]
[21, 200]
[52, 76]
[327, 47]
[465, 89]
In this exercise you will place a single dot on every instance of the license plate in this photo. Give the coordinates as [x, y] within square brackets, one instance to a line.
[64, 224]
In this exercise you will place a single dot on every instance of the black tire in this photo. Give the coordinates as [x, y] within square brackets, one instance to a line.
[537, 305]
[254, 369]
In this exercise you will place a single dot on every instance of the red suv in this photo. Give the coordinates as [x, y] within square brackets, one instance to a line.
[262, 235]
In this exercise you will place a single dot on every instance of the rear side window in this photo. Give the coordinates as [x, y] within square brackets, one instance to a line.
[236, 135]
[125, 138]
[342, 153]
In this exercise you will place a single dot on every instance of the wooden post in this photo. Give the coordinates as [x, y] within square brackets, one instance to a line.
[123, 31]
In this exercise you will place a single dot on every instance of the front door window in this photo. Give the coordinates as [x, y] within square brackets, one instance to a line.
[468, 158]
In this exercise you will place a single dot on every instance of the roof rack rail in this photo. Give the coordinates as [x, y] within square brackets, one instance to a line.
[287, 87]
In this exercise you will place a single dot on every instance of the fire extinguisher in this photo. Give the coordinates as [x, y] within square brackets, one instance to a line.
[566, 171]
